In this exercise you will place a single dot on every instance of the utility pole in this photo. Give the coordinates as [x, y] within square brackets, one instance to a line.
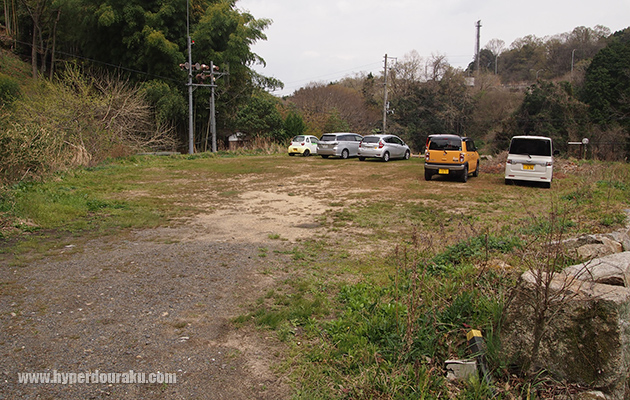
[191, 132]
[213, 118]
[205, 71]
[385, 99]
[191, 135]
[477, 47]
[386, 109]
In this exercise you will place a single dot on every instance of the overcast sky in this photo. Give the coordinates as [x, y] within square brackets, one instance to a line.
[326, 40]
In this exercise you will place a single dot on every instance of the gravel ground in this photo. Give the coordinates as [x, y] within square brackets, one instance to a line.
[147, 301]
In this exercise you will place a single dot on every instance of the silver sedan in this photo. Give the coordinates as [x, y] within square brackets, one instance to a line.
[384, 147]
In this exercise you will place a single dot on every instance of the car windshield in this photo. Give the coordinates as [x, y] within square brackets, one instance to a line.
[299, 138]
[445, 144]
[371, 139]
[530, 147]
[328, 138]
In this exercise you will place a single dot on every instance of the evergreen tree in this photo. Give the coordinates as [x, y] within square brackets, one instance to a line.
[294, 124]
[335, 123]
[607, 83]
[550, 109]
[260, 117]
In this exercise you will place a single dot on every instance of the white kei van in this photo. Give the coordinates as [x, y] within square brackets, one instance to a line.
[530, 158]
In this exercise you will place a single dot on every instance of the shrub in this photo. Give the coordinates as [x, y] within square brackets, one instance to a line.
[79, 121]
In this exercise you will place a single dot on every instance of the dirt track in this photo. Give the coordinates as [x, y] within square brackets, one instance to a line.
[154, 301]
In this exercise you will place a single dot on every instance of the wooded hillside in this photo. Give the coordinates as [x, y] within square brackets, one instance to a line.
[568, 86]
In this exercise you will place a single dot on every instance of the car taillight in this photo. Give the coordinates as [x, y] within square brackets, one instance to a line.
[426, 156]
[549, 163]
[380, 144]
[509, 161]
[302, 144]
[462, 156]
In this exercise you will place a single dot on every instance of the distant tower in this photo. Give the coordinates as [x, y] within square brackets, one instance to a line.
[477, 47]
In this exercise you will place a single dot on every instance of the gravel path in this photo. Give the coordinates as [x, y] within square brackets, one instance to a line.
[155, 301]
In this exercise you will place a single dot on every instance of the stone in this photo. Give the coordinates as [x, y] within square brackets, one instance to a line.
[460, 370]
[623, 237]
[587, 336]
[613, 269]
[591, 395]
[604, 247]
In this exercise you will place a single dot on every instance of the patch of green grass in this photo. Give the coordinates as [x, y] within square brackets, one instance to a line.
[613, 218]
[296, 306]
[385, 339]
[477, 248]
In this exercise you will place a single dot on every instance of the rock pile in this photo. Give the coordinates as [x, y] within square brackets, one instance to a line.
[586, 337]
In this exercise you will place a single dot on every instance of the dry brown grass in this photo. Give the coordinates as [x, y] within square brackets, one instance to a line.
[75, 122]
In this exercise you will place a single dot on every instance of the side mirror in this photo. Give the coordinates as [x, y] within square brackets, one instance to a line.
[556, 152]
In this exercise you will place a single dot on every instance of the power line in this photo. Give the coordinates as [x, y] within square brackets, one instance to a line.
[98, 62]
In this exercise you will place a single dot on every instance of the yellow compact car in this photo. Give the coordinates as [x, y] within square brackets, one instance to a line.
[450, 155]
[304, 145]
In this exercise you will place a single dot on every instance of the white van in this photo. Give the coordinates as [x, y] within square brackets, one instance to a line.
[530, 158]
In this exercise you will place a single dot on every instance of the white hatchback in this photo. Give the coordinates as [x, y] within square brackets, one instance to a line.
[304, 145]
[530, 158]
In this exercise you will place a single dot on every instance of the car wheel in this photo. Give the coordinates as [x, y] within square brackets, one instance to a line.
[361, 158]
[386, 156]
[324, 156]
[345, 154]
[407, 154]
[291, 154]
[306, 153]
[464, 176]
[476, 173]
[428, 175]
[508, 181]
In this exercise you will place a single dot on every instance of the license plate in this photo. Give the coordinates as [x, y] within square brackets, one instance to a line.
[529, 167]
[443, 171]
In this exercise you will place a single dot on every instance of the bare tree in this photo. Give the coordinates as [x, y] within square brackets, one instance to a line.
[436, 67]
[496, 46]
[551, 289]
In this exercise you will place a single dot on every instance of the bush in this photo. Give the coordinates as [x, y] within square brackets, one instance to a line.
[79, 121]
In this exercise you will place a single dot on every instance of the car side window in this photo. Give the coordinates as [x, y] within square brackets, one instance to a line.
[470, 145]
[358, 138]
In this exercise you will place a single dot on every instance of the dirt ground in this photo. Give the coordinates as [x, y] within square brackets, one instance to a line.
[152, 301]
[162, 300]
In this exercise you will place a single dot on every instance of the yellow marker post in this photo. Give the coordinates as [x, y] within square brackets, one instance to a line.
[477, 347]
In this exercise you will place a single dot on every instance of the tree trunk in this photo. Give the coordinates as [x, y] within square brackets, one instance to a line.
[34, 51]
[54, 44]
